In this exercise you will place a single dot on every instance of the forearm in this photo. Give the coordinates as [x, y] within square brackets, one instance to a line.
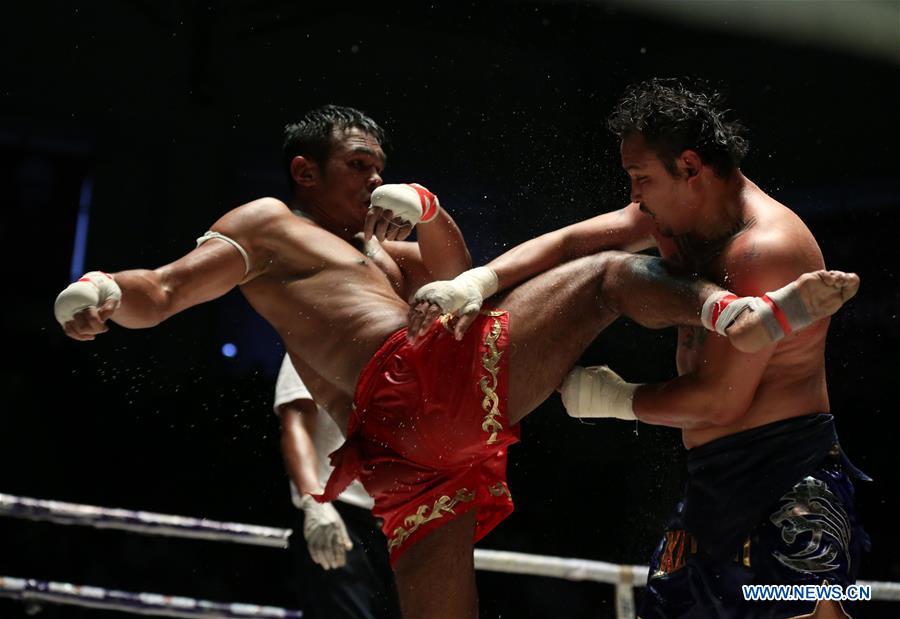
[443, 248]
[302, 471]
[684, 402]
[625, 229]
[145, 299]
[299, 452]
[531, 258]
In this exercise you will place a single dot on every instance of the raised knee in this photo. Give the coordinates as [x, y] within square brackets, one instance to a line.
[604, 265]
[609, 268]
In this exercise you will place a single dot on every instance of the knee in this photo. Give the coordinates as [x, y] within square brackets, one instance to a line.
[604, 266]
[609, 269]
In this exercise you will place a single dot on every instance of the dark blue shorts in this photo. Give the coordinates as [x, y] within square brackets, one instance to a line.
[810, 536]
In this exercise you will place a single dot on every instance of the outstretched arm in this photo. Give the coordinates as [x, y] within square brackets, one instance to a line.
[142, 298]
[626, 229]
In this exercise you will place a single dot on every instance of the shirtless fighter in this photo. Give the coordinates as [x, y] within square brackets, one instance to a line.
[427, 422]
[769, 497]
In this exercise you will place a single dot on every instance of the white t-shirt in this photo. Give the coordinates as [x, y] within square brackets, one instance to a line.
[326, 438]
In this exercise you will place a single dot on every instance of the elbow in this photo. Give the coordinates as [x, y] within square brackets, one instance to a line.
[467, 260]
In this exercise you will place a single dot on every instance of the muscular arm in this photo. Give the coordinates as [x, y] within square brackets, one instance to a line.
[720, 387]
[207, 272]
[149, 297]
[718, 392]
[626, 229]
[298, 421]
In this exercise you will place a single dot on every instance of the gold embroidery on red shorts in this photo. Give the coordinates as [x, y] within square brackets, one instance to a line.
[423, 515]
[491, 362]
[499, 489]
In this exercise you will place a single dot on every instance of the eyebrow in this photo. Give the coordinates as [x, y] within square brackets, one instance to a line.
[634, 166]
[365, 150]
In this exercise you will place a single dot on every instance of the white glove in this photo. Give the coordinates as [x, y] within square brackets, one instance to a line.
[325, 533]
[598, 392]
[91, 290]
[410, 202]
[462, 295]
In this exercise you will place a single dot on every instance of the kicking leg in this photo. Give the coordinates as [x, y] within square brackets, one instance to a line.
[556, 315]
[436, 576]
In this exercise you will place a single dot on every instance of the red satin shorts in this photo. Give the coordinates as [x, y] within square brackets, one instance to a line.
[429, 433]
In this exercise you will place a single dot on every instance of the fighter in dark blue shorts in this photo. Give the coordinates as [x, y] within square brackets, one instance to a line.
[771, 505]
[769, 498]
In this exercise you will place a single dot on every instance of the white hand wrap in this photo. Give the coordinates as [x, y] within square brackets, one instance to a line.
[91, 290]
[412, 202]
[462, 295]
[598, 392]
[781, 312]
[325, 533]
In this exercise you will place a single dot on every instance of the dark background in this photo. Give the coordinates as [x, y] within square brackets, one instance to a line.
[162, 116]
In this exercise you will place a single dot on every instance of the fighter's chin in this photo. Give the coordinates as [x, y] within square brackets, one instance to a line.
[665, 231]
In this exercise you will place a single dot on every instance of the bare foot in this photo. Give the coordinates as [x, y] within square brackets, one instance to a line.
[819, 294]
[824, 292]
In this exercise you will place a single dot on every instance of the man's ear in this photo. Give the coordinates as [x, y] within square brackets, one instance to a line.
[690, 164]
[305, 172]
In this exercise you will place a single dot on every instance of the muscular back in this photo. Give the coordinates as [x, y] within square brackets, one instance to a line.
[771, 249]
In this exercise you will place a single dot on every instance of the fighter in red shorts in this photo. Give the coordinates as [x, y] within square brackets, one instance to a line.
[433, 417]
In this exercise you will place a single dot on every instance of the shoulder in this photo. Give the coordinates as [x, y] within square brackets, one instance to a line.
[251, 218]
[767, 258]
[258, 213]
[263, 227]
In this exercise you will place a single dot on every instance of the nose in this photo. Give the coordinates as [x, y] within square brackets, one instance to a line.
[635, 191]
[375, 181]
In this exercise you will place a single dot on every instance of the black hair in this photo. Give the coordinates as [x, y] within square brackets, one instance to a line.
[313, 135]
[674, 115]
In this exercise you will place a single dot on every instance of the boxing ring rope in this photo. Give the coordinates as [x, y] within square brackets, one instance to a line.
[623, 577]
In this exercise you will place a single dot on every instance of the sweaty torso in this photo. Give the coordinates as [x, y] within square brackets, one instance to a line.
[793, 381]
[332, 304]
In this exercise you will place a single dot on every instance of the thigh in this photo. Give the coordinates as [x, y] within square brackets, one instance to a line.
[552, 320]
[436, 576]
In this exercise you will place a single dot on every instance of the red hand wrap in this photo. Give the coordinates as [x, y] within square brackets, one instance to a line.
[779, 315]
[719, 306]
[429, 202]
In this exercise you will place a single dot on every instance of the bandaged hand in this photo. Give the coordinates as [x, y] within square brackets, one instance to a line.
[84, 306]
[396, 209]
[325, 533]
[462, 297]
[598, 392]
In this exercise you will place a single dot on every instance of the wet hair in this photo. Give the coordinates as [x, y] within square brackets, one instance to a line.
[676, 114]
[313, 135]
